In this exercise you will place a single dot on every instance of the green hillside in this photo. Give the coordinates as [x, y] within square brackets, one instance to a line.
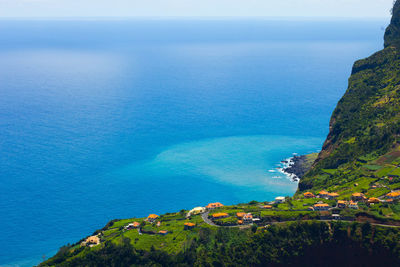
[365, 125]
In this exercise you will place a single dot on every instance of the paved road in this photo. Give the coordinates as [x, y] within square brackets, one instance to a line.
[208, 221]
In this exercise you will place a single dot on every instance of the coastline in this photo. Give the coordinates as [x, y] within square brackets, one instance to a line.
[297, 166]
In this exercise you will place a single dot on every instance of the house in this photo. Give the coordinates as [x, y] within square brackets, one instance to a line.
[158, 224]
[310, 208]
[91, 241]
[323, 194]
[162, 232]
[332, 195]
[214, 205]
[132, 225]
[152, 218]
[308, 195]
[240, 215]
[341, 204]
[195, 211]
[188, 226]
[321, 207]
[393, 195]
[373, 200]
[280, 199]
[353, 205]
[248, 218]
[358, 197]
[240, 222]
[268, 207]
[220, 215]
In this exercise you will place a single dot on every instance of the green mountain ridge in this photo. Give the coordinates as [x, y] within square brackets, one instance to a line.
[366, 120]
[359, 162]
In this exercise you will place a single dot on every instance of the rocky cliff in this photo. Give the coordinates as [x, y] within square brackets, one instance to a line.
[366, 121]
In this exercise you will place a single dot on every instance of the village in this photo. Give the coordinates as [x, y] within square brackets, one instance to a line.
[323, 205]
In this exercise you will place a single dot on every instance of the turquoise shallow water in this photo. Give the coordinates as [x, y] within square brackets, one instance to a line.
[115, 119]
[245, 161]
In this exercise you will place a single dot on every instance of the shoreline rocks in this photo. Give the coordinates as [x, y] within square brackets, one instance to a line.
[297, 166]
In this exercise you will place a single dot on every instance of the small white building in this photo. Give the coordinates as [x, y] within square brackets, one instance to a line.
[280, 199]
[195, 211]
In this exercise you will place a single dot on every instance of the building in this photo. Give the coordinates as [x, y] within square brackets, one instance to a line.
[373, 200]
[358, 197]
[240, 215]
[353, 205]
[158, 224]
[332, 195]
[91, 241]
[188, 226]
[195, 211]
[152, 218]
[323, 194]
[321, 207]
[342, 204]
[248, 218]
[268, 207]
[132, 225]
[240, 222]
[394, 195]
[308, 195]
[280, 199]
[220, 215]
[162, 232]
[214, 205]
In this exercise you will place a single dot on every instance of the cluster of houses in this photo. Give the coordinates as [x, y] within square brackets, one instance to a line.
[244, 218]
[247, 218]
[152, 218]
[352, 204]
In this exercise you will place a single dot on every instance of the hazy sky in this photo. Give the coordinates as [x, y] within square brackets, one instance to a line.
[157, 8]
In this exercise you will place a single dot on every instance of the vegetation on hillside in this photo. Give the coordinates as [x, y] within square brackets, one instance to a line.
[366, 121]
[299, 243]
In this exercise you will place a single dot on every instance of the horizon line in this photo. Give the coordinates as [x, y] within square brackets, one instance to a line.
[305, 18]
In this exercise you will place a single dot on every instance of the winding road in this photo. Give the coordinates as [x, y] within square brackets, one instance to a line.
[205, 218]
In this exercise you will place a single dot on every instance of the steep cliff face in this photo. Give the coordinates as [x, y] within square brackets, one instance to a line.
[392, 34]
[366, 121]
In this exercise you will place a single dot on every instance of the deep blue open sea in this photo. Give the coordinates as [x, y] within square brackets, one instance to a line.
[122, 118]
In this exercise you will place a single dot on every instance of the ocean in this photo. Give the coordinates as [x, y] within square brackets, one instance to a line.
[121, 118]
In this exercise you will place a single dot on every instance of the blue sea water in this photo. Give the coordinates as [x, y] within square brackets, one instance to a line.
[116, 119]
